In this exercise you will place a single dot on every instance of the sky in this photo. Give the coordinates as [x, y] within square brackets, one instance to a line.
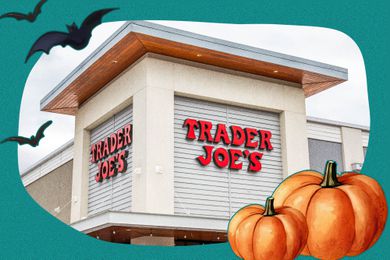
[347, 102]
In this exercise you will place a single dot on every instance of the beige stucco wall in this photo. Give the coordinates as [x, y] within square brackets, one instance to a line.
[352, 147]
[242, 90]
[113, 98]
[295, 147]
[54, 191]
[150, 86]
[153, 151]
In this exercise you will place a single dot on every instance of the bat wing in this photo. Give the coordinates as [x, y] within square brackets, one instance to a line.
[47, 41]
[39, 135]
[38, 8]
[95, 19]
[19, 139]
[17, 16]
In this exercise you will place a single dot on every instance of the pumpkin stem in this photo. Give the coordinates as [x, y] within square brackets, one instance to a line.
[330, 176]
[269, 207]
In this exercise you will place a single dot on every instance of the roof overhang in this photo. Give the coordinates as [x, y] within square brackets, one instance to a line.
[135, 39]
[129, 234]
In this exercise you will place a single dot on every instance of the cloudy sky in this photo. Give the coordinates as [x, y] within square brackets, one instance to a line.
[346, 102]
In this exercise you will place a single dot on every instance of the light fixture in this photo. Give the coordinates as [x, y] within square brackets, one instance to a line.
[198, 55]
[137, 171]
[185, 236]
[356, 167]
[113, 232]
[276, 71]
[114, 61]
[97, 237]
[159, 169]
[217, 238]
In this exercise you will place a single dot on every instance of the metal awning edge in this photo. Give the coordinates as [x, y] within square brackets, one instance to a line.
[112, 218]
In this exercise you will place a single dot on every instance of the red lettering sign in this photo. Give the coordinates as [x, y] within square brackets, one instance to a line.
[238, 135]
[221, 133]
[205, 131]
[108, 155]
[191, 124]
[250, 138]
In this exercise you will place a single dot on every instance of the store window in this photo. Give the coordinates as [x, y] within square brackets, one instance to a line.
[320, 151]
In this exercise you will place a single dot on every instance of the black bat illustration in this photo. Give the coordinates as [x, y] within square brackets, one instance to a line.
[33, 140]
[31, 17]
[77, 38]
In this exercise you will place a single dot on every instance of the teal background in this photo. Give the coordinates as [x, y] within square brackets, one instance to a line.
[27, 231]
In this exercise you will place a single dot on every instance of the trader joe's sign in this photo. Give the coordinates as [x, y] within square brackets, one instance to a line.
[241, 144]
[110, 153]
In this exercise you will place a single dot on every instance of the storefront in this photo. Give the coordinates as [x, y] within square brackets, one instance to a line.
[176, 131]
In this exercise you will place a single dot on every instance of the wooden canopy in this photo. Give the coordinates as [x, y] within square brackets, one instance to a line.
[106, 64]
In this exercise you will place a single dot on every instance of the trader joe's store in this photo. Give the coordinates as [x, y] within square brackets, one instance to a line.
[175, 131]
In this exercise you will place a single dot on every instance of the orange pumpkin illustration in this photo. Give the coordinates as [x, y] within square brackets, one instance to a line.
[345, 215]
[260, 233]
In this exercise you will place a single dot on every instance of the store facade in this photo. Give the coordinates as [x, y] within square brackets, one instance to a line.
[176, 131]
